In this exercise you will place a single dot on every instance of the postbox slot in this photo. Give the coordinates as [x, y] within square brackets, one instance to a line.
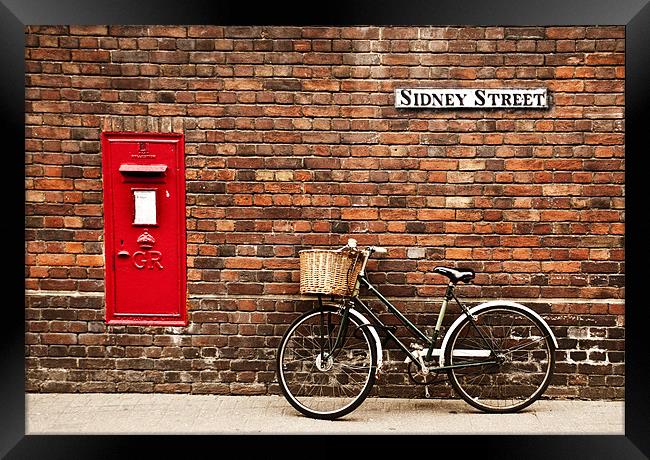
[143, 170]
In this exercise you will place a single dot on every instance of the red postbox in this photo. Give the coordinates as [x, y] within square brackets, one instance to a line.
[144, 221]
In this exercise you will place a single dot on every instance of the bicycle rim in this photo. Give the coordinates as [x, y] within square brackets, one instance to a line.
[317, 382]
[525, 357]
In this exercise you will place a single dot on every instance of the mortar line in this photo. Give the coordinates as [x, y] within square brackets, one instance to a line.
[288, 297]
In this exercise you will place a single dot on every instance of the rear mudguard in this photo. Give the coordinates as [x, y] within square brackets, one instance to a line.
[483, 306]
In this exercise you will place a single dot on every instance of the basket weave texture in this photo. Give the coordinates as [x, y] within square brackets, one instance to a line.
[329, 272]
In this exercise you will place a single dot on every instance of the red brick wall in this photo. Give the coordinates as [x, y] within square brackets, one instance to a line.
[292, 141]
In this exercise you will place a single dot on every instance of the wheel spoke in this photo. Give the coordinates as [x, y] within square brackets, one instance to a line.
[330, 385]
[524, 356]
[521, 347]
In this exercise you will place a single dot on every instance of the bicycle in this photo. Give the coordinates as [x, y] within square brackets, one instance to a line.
[499, 355]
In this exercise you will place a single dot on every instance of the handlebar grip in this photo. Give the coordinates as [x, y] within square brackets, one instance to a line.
[379, 250]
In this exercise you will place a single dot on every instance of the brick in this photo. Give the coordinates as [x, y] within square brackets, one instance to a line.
[129, 56]
[88, 30]
[90, 260]
[50, 54]
[91, 56]
[435, 214]
[130, 83]
[605, 59]
[565, 32]
[459, 202]
[55, 259]
[359, 214]
[61, 339]
[169, 57]
[283, 85]
[439, 164]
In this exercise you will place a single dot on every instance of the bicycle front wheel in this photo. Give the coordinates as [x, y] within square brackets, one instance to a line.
[321, 381]
[519, 359]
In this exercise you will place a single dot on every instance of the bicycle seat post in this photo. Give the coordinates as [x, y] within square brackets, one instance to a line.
[449, 293]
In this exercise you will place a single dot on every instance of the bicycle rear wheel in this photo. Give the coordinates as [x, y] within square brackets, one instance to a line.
[321, 382]
[522, 361]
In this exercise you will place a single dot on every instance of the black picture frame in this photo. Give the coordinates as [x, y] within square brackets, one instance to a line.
[15, 14]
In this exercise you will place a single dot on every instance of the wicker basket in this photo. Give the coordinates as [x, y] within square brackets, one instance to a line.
[329, 272]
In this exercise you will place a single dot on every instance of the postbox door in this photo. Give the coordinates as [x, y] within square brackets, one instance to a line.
[144, 193]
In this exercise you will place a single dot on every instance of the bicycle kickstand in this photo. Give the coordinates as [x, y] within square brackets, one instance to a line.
[426, 392]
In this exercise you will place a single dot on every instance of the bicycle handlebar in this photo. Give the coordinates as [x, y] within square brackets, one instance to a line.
[352, 243]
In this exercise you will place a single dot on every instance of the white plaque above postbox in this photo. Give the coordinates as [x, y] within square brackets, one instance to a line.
[471, 98]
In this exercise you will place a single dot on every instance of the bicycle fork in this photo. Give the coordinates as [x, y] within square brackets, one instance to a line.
[326, 331]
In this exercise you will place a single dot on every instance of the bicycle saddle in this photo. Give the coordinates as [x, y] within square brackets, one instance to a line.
[463, 274]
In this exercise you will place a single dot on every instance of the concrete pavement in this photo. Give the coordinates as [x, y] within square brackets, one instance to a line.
[63, 413]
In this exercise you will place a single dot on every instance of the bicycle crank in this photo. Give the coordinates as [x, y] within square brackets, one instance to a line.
[420, 377]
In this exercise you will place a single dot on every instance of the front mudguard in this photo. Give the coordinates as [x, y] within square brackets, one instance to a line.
[373, 332]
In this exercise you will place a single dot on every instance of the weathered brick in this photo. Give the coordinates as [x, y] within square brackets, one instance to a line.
[129, 56]
[88, 30]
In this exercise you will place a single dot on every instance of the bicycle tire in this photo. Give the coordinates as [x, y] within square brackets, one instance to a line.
[325, 386]
[524, 370]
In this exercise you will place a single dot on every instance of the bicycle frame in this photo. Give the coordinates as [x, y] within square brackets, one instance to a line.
[430, 342]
